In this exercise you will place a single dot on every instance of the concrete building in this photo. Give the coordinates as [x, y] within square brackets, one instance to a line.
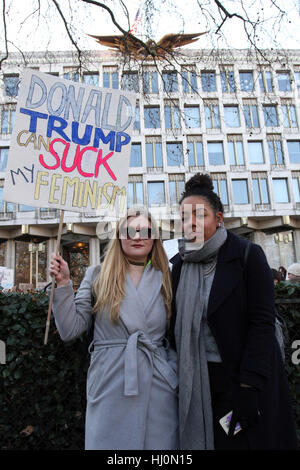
[232, 114]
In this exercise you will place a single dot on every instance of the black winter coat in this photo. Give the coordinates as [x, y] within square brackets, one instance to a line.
[241, 318]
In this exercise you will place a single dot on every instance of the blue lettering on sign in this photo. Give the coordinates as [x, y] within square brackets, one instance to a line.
[116, 140]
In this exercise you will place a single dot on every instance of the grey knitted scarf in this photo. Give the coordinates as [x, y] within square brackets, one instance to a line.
[195, 411]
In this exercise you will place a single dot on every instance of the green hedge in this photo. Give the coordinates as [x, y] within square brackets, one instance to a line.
[287, 297]
[42, 389]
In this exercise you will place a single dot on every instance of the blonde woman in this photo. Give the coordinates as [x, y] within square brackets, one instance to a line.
[132, 379]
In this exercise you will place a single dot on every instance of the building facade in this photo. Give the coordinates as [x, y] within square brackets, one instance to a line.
[233, 115]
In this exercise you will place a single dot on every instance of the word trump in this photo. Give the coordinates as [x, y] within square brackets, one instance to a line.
[115, 139]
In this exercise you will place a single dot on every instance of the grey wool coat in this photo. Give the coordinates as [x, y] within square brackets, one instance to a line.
[132, 379]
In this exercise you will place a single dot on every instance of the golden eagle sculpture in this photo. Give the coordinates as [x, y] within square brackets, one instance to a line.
[128, 44]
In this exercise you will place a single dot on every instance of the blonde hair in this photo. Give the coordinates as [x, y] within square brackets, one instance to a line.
[109, 286]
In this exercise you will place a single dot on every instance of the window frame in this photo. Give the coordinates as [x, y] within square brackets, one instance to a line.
[206, 76]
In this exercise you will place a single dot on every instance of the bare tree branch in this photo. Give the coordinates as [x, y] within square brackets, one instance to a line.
[5, 35]
[79, 52]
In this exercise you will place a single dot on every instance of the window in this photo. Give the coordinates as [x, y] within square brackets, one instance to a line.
[220, 188]
[294, 151]
[110, 78]
[208, 80]
[3, 158]
[156, 193]
[251, 115]
[240, 192]
[172, 116]
[236, 153]
[189, 81]
[215, 153]
[170, 81]
[275, 152]
[260, 191]
[192, 116]
[23, 208]
[176, 188]
[135, 194]
[256, 154]
[246, 81]
[280, 190]
[91, 79]
[71, 75]
[265, 82]
[137, 119]
[231, 115]
[174, 154]
[195, 153]
[136, 155]
[5, 206]
[130, 81]
[11, 85]
[212, 115]
[270, 115]
[289, 115]
[154, 155]
[150, 82]
[152, 117]
[283, 79]
[296, 188]
[7, 120]
[297, 78]
[227, 81]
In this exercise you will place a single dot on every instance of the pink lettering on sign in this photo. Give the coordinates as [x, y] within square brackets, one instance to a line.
[77, 160]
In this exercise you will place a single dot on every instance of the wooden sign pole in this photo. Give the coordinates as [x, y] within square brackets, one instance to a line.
[62, 212]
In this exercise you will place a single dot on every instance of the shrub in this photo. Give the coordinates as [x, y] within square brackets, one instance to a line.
[42, 391]
[287, 297]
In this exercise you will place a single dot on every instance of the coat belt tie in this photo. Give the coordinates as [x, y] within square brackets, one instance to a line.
[139, 340]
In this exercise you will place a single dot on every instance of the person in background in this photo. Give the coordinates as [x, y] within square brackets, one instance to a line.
[223, 327]
[282, 270]
[132, 380]
[293, 273]
[277, 277]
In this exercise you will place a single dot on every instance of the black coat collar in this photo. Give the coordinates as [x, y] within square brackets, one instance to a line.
[228, 270]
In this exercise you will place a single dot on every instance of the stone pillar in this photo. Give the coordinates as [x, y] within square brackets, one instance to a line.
[258, 238]
[296, 238]
[94, 251]
[10, 256]
[50, 248]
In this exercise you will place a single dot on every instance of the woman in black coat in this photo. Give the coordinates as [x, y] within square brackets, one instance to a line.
[223, 329]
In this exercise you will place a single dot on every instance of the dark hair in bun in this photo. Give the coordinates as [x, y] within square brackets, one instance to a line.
[202, 185]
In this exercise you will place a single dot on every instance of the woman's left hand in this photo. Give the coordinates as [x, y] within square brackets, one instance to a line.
[245, 408]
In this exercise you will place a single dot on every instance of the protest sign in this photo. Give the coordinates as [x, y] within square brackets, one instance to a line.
[70, 146]
[6, 277]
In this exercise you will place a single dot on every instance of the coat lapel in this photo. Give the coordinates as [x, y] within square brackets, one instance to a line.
[149, 287]
[228, 274]
[137, 302]
[132, 308]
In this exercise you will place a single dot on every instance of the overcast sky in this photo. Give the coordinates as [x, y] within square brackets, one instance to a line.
[46, 31]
